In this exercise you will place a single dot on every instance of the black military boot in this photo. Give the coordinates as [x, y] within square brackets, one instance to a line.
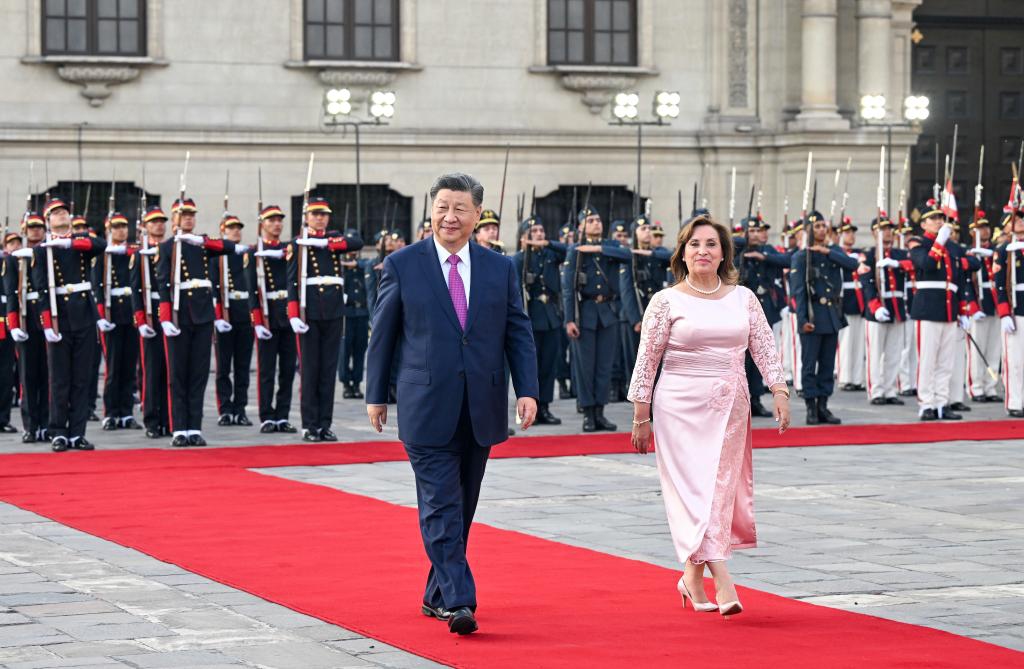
[348, 393]
[563, 390]
[824, 415]
[757, 410]
[589, 419]
[812, 411]
[356, 392]
[545, 417]
[602, 422]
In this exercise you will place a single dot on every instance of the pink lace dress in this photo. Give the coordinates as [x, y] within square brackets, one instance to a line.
[701, 411]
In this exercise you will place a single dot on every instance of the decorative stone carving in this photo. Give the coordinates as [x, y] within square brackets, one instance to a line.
[597, 89]
[361, 82]
[738, 53]
[96, 80]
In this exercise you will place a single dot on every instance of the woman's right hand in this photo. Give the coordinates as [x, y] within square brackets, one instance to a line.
[642, 438]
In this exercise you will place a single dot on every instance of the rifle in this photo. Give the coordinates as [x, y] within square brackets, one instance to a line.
[732, 201]
[680, 204]
[51, 282]
[879, 248]
[147, 295]
[846, 191]
[108, 269]
[304, 251]
[527, 251]
[176, 249]
[936, 188]
[977, 209]
[504, 174]
[225, 269]
[582, 235]
[23, 264]
[261, 270]
[703, 198]
[902, 201]
[634, 259]
[807, 235]
[1011, 256]
[785, 218]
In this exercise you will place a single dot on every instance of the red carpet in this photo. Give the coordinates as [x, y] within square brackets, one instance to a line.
[358, 562]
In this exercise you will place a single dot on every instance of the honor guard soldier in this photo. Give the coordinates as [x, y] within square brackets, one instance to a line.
[589, 285]
[183, 279]
[640, 279]
[908, 353]
[425, 230]
[1009, 278]
[386, 243]
[487, 231]
[566, 391]
[24, 324]
[882, 286]
[79, 226]
[985, 331]
[759, 265]
[233, 323]
[790, 331]
[940, 305]
[658, 242]
[356, 328]
[320, 277]
[62, 267]
[816, 284]
[622, 367]
[117, 325]
[851, 338]
[156, 415]
[537, 265]
[8, 362]
[276, 344]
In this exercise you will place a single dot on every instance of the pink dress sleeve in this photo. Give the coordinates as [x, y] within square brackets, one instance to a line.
[653, 339]
[761, 344]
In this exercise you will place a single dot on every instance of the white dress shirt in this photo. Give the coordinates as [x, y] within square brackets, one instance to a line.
[463, 266]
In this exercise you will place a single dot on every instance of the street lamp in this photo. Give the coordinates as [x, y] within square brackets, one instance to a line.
[338, 108]
[915, 108]
[873, 113]
[626, 110]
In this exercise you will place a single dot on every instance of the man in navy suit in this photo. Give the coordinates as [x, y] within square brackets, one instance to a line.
[454, 312]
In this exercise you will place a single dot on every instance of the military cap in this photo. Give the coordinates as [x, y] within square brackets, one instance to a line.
[230, 220]
[186, 206]
[271, 211]
[812, 217]
[34, 220]
[565, 230]
[52, 205]
[79, 222]
[427, 224]
[585, 213]
[657, 230]
[115, 219]
[699, 211]
[525, 226]
[929, 208]
[882, 221]
[637, 222]
[748, 223]
[794, 226]
[488, 217]
[11, 236]
[619, 226]
[318, 205]
[847, 225]
[379, 235]
[979, 221]
[154, 213]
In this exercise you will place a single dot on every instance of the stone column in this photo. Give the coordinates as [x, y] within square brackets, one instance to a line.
[874, 53]
[818, 108]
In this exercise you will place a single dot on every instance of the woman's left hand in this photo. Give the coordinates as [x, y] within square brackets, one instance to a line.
[781, 411]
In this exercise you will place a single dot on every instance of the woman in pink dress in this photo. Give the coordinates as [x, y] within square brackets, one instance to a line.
[698, 332]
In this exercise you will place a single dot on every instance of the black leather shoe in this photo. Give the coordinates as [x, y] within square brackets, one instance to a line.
[27, 437]
[357, 393]
[268, 426]
[59, 444]
[511, 432]
[980, 399]
[880, 401]
[602, 422]
[824, 415]
[82, 444]
[959, 406]
[287, 427]
[929, 414]
[327, 435]
[812, 412]
[154, 434]
[894, 400]
[545, 417]
[110, 424]
[310, 435]
[1015, 413]
[196, 440]
[225, 419]
[438, 612]
[462, 621]
[848, 387]
[93, 418]
[242, 419]
[563, 390]
[348, 393]
[909, 392]
[589, 421]
[948, 414]
[993, 398]
[757, 410]
[130, 423]
[179, 441]
[7, 428]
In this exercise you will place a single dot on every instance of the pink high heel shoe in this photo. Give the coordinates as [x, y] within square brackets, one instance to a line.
[684, 593]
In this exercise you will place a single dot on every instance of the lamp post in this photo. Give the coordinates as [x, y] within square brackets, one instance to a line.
[626, 111]
[338, 113]
[873, 113]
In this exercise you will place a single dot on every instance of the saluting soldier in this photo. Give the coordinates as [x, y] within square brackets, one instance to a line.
[537, 265]
[356, 330]
[156, 415]
[907, 379]
[1009, 278]
[276, 344]
[234, 336]
[188, 340]
[816, 289]
[622, 366]
[566, 391]
[24, 323]
[851, 338]
[639, 280]
[589, 285]
[319, 329]
[71, 332]
[116, 325]
[985, 331]
[8, 362]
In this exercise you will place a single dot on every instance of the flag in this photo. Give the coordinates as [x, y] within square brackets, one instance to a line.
[949, 202]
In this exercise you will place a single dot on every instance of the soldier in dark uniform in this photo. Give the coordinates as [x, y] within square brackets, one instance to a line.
[589, 285]
[639, 280]
[356, 329]
[188, 341]
[386, 243]
[117, 326]
[564, 371]
[8, 362]
[537, 265]
[658, 242]
[487, 231]
[319, 328]
[426, 230]
[819, 314]
[156, 414]
[759, 265]
[276, 345]
[852, 355]
[79, 226]
[908, 353]
[234, 336]
[622, 365]
[74, 337]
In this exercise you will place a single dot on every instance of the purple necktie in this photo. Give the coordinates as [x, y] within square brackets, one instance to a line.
[457, 290]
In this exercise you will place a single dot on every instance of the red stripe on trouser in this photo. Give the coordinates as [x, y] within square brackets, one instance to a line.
[106, 368]
[142, 391]
[259, 395]
[170, 380]
[216, 369]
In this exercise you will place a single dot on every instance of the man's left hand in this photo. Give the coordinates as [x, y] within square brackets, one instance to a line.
[526, 409]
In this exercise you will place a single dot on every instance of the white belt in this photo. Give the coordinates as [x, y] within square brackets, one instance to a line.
[153, 295]
[1019, 288]
[73, 288]
[192, 284]
[938, 285]
[121, 292]
[896, 293]
[849, 285]
[277, 295]
[34, 295]
[238, 295]
[986, 285]
[324, 281]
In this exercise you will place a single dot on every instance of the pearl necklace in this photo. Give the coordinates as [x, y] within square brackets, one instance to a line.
[704, 292]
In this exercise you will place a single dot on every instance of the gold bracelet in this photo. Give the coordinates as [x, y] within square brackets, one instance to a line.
[639, 423]
[781, 391]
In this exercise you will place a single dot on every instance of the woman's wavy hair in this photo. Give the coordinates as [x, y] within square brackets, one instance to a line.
[726, 270]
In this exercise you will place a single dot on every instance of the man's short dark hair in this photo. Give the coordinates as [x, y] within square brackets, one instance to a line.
[458, 181]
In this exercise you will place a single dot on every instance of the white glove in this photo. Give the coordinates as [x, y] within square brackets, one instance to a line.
[146, 332]
[104, 325]
[241, 249]
[784, 312]
[222, 325]
[979, 315]
[151, 251]
[117, 249]
[981, 252]
[298, 327]
[1014, 246]
[170, 329]
[23, 253]
[965, 322]
[1009, 326]
[319, 242]
[945, 232]
[19, 335]
[189, 238]
[888, 262]
[52, 336]
[62, 243]
[270, 253]
[263, 333]
[882, 315]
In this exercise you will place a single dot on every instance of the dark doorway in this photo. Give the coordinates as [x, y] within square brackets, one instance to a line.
[556, 208]
[91, 199]
[382, 207]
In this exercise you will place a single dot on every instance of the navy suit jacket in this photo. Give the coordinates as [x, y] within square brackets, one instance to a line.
[440, 362]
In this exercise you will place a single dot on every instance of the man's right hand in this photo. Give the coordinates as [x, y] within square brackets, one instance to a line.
[378, 414]
[572, 330]
[170, 329]
[298, 325]
[807, 328]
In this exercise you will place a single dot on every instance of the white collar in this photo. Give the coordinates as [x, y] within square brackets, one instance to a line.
[443, 254]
